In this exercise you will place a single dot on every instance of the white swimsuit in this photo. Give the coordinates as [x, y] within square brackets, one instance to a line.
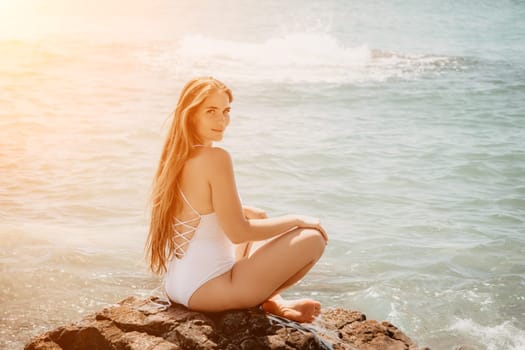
[209, 255]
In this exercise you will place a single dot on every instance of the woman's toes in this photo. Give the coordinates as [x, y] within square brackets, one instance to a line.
[317, 309]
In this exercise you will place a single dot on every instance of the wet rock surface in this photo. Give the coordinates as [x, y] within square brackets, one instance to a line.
[136, 324]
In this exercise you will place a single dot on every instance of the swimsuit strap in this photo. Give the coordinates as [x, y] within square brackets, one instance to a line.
[179, 251]
[188, 202]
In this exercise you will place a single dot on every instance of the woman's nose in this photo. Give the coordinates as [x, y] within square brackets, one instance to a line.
[221, 120]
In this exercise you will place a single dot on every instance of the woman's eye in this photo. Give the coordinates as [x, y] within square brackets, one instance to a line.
[211, 111]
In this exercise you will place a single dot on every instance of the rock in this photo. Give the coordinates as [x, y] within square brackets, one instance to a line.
[135, 324]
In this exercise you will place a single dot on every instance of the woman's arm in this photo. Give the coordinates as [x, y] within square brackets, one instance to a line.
[253, 213]
[243, 249]
[228, 207]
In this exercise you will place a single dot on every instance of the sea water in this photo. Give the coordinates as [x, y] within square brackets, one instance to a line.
[400, 124]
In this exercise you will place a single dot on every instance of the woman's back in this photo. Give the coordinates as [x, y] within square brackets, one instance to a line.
[196, 194]
[194, 183]
[204, 249]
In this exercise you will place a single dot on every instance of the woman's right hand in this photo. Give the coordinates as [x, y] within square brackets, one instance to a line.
[312, 222]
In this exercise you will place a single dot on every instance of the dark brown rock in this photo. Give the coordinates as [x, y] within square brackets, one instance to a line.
[136, 324]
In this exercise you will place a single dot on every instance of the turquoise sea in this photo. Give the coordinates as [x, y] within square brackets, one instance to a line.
[401, 124]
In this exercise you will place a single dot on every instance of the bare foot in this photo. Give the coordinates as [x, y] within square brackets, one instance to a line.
[300, 310]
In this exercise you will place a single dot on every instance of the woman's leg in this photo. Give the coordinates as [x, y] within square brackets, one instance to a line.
[303, 310]
[254, 279]
[244, 250]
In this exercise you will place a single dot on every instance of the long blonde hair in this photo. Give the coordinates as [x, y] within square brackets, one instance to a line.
[165, 197]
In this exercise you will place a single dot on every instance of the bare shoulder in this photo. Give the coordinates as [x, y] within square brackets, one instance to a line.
[216, 156]
[212, 161]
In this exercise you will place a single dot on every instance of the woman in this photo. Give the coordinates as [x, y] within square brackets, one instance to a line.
[197, 218]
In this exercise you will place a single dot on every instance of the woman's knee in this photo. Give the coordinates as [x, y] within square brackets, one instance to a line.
[315, 240]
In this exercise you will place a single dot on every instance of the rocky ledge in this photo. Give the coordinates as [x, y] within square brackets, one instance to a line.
[135, 324]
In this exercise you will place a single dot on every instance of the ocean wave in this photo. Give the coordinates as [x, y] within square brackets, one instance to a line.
[502, 336]
[295, 58]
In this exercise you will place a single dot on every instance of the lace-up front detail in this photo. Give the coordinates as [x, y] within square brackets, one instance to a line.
[188, 229]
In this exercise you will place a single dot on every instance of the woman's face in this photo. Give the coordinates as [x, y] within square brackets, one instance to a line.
[212, 117]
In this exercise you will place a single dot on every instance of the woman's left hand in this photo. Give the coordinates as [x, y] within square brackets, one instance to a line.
[254, 213]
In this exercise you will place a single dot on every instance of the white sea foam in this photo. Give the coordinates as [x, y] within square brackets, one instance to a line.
[296, 57]
[502, 336]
